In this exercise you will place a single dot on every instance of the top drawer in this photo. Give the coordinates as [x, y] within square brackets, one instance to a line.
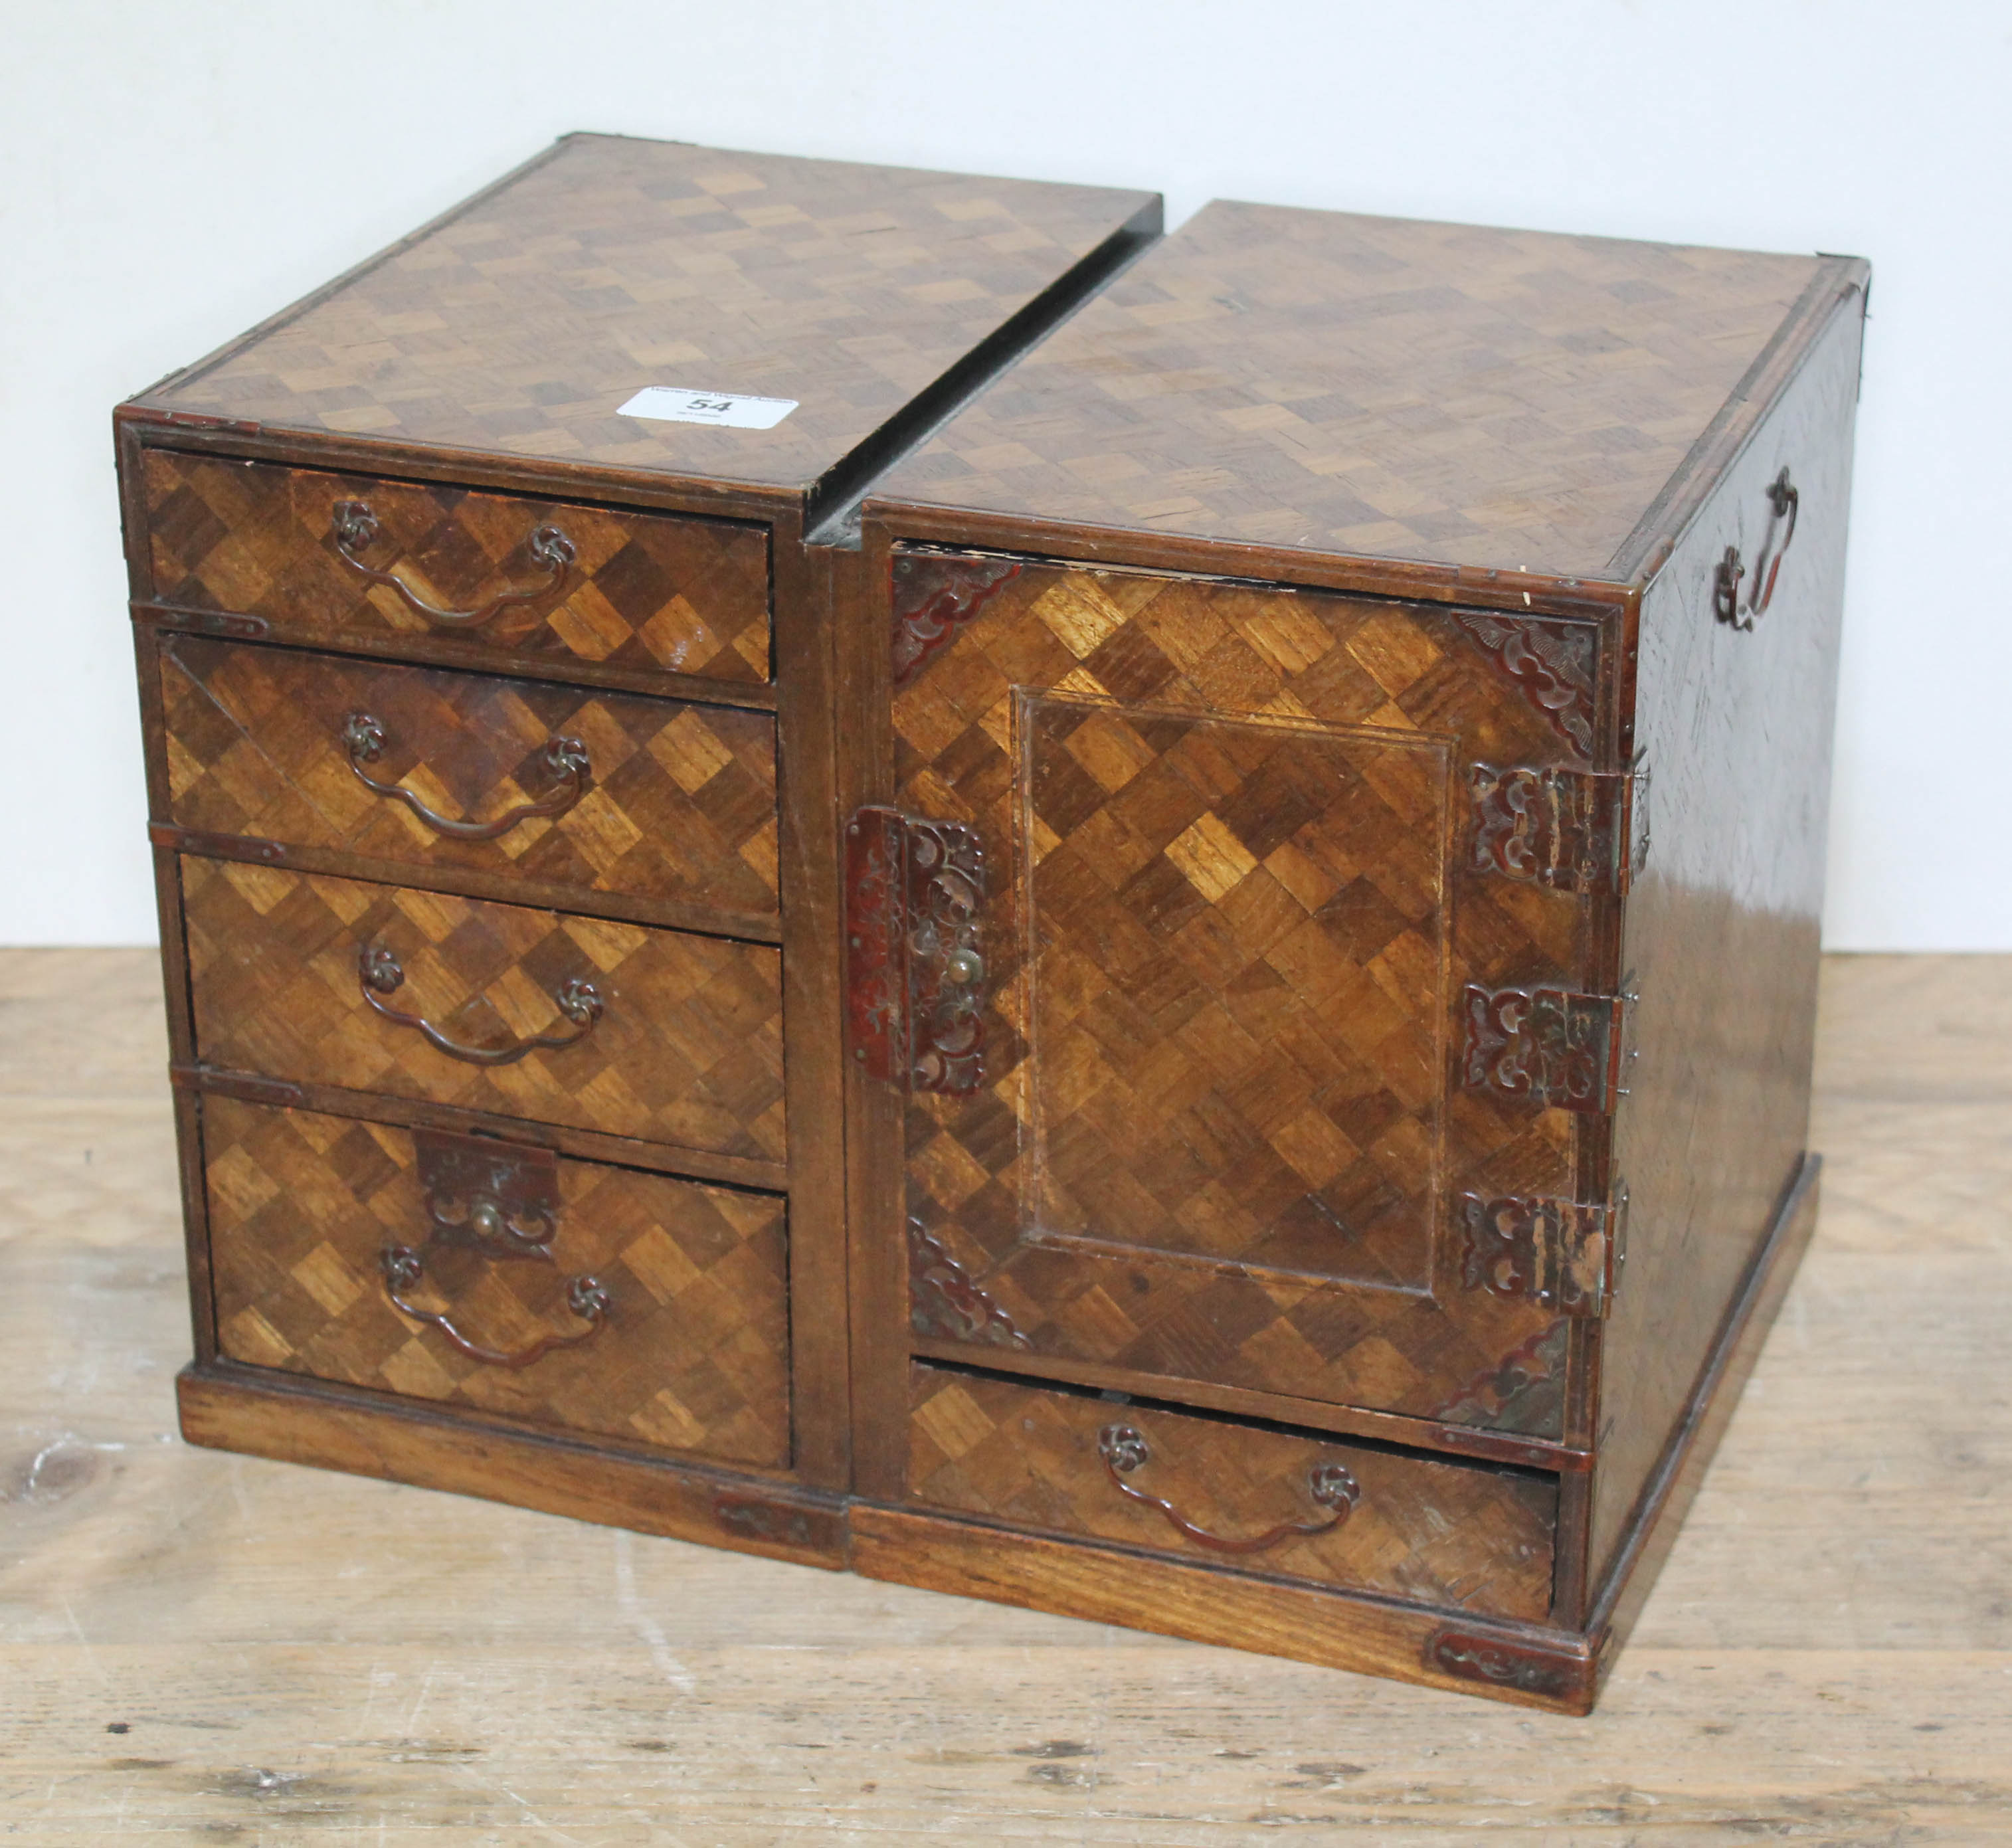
[346, 558]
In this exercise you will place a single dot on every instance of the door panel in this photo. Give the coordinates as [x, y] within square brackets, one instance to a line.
[1236, 986]
[1233, 891]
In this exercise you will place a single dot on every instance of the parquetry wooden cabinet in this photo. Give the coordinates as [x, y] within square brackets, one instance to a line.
[1185, 996]
[487, 680]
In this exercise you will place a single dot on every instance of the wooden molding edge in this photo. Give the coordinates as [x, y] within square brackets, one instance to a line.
[1680, 1471]
[225, 1408]
[1072, 547]
[1330, 1629]
[1832, 285]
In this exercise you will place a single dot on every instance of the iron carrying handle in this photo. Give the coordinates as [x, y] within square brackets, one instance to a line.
[378, 973]
[354, 527]
[566, 759]
[1124, 1448]
[1786, 502]
[586, 1296]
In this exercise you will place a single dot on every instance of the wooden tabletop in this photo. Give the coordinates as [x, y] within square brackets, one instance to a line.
[519, 323]
[1324, 382]
[201, 1647]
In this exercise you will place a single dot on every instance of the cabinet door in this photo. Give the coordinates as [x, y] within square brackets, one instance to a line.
[1200, 878]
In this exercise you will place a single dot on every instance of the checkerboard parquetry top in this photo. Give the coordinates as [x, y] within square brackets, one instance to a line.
[520, 323]
[1379, 387]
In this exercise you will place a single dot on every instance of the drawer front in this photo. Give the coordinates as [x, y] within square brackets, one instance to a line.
[603, 792]
[613, 1027]
[324, 555]
[1302, 1506]
[599, 1299]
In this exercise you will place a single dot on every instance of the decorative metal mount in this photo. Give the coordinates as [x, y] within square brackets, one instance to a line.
[502, 1200]
[1529, 1671]
[354, 527]
[935, 594]
[1546, 1045]
[1553, 663]
[1123, 1448]
[1524, 1391]
[1566, 1254]
[915, 977]
[1786, 503]
[945, 1302]
[378, 973]
[756, 1518]
[564, 759]
[1573, 830]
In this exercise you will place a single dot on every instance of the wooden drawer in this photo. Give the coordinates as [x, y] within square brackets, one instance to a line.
[638, 1032]
[473, 1272]
[546, 785]
[1268, 1500]
[320, 556]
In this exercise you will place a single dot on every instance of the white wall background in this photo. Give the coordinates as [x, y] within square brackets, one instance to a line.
[170, 173]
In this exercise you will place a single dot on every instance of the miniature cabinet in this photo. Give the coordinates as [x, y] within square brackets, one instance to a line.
[1154, 955]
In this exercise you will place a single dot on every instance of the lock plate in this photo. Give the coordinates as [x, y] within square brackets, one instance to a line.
[916, 982]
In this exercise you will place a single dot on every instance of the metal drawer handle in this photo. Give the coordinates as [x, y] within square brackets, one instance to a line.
[1787, 503]
[566, 758]
[378, 973]
[1123, 1448]
[586, 1296]
[354, 527]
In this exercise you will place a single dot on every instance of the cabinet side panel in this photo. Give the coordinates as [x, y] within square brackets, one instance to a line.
[1721, 935]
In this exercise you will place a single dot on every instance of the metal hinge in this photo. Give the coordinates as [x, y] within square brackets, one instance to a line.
[1573, 830]
[915, 976]
[1548, 1046]
[1566, 1254]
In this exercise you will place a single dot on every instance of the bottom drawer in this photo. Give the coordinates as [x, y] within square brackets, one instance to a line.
[1470, 1536]
[471, 1272]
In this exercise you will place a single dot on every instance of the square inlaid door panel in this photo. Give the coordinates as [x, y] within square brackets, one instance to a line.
[1231, 933]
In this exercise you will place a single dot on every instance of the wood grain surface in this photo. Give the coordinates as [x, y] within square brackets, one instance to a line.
[523, 321]
[1720, 937]
[1332, 383]
[686, 1049]
[667, 802]
[1466, 1535]
[1230, 906]
[644, 593]
[689, 1355]
[199, 1647]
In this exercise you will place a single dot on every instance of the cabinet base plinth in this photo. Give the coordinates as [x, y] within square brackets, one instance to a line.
[230, 1408]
